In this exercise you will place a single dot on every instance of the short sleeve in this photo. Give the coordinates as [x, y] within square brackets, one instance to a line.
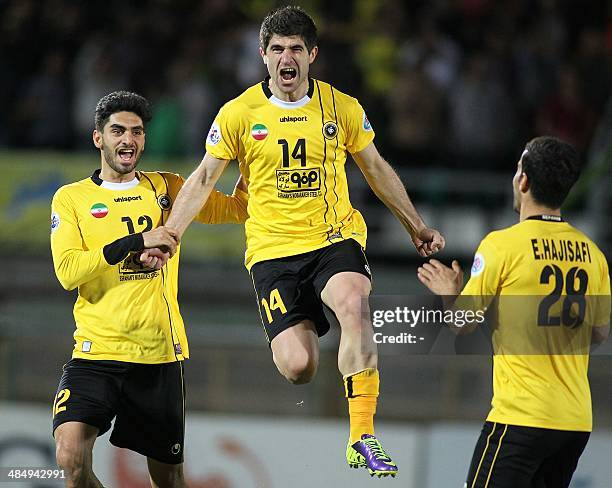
[486, 273]
[222, 141]
[359, 132]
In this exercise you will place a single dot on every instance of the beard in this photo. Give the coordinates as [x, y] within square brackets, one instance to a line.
[113, 160]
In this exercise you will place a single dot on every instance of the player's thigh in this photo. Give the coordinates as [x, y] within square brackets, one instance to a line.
[567, 447]
[300, 340]
[165, 475]
[151, 416]
[505, 456]
[343, 278]
[285, 297]
[346, 292]
[88, 393]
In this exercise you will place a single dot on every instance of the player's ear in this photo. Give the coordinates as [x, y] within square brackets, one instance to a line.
[97, 139]
[263, 56]
[313, 54]
[523, 183]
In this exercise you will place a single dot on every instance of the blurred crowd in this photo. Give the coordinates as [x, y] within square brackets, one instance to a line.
[447, 82]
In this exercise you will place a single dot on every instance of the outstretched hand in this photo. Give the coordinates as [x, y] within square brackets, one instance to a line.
[441, 279]
[428, 241]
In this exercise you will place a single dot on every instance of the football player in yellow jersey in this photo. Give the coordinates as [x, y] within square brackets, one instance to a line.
[130, 339]
[551, 282]
[305, 241]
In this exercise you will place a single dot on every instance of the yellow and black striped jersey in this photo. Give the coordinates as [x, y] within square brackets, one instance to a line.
[292, 155]
[124, 312]
[552, 286]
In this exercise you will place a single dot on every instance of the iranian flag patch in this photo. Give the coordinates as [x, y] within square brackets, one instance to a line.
[99, 210]
[259, 132]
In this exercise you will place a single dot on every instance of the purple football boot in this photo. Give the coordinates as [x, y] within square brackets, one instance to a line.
[369, 453]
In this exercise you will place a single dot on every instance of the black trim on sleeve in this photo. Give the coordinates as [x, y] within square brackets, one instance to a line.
[118, 250]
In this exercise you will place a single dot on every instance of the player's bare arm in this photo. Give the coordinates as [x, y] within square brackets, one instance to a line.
[194, 193]
[388, 187]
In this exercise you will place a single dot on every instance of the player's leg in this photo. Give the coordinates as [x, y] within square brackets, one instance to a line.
[508, 456]
[151, 420]
[558, 469]
[82, 410]
[163, 475]
[74, 443]
[345, 282]
[288, 308]
[296, 352]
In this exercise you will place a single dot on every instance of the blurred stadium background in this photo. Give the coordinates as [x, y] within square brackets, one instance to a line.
[453, 88]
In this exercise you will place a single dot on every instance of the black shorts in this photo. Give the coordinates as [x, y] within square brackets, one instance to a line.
[288, 290]
[146, 400]
[512, 456]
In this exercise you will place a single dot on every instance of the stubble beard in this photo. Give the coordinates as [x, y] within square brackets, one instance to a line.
[110, 159]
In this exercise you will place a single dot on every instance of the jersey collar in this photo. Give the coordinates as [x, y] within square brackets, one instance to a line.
[546, 218]
[281, 103]
[95, 177]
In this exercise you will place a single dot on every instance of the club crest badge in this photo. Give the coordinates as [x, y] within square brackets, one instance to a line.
[330, 130]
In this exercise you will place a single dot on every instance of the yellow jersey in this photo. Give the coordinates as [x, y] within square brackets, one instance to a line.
[124, 312]
[292, 155]
[552, 286]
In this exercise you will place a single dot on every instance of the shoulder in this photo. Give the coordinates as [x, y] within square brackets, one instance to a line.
[340, 98]
[66, 192]
[249, 98]
[161, 176]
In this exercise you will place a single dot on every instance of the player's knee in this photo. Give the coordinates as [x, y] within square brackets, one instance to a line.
[70, 459]
[298, 368]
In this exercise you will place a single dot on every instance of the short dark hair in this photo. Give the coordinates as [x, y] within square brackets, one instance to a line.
[552, 167]
[121, 101]
[289, 20]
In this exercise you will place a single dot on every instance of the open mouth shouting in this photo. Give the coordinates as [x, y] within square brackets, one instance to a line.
[288, 74]
[127, 156]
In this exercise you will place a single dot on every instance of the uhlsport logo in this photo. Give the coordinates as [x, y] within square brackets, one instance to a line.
[128, 199]
[259, 132]
[330, 130]
[99, 210]
[289, 118]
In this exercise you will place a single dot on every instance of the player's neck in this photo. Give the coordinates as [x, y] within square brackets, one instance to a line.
[530, 209]
[110, 175]
[299, 93]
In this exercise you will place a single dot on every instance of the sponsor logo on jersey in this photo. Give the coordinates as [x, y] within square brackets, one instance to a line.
[478, 265]
[366, 123]
[99, 210]
[330, 130]
[164, 201]
[214, 134]
[289, 118]
[259, 132]
[128, 199]
[299, 183]
[55, 222]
